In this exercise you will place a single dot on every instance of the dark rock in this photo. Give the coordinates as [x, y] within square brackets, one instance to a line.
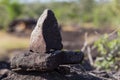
[46, 36]
[53, 75]
[36, 65]
[3, 73]
[4, 68]
[34, 62]
[63, 69]
[4, 65]
[70, 57]
[45, 62]
[3, 76]
[34, 76]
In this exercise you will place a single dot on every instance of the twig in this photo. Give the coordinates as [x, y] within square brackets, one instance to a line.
[85, 46]
[90, 56]
[85, 43]
[109, 35]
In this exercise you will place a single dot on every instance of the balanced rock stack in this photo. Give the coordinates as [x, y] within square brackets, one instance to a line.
[45, 48]
[45, 52]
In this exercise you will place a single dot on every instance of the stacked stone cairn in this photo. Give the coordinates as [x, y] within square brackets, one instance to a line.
[45, 53]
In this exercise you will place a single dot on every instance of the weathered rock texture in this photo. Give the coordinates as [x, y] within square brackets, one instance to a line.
[75, 73]
[46, 35]
[54, 75]
[45, 62]
[44, 59]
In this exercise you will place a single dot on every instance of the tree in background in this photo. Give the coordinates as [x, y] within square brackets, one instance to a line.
[115, 10]
[96, 12]
[9, 9]
[86, 8]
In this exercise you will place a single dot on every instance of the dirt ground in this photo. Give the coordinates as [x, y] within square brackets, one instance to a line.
[74, 40]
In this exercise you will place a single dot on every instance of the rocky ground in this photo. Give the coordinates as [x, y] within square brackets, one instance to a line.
[74, 72]
[69, 72]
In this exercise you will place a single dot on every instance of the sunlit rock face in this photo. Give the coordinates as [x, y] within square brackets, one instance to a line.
[46, 36]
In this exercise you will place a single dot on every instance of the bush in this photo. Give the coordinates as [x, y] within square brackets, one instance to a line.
[108, 47]
[8, 11]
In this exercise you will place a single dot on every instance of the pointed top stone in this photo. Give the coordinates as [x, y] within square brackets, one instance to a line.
[46, 35]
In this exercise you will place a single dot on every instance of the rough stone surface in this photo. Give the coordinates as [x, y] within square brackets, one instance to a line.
[34, 61]
[46, 35]
[73, 73]
[4, 65]
[54, 75]
[70, 57]
[45, 62]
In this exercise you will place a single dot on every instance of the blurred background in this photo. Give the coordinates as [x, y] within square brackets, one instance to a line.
[91, 26]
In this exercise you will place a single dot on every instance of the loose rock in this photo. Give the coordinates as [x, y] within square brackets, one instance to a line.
[46, 35]
[45, 62]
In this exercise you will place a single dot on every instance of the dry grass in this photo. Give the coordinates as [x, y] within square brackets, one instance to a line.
[9, 42]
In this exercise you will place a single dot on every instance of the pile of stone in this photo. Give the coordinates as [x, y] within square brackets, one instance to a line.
[45, 59]
[45, 55]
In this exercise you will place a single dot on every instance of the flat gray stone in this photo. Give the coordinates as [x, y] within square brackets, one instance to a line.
[46, 36]
[30, 61]
[34, 62]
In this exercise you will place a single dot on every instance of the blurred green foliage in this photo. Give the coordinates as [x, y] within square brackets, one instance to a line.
[109, 52]
[8, 11]
[98, 13]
